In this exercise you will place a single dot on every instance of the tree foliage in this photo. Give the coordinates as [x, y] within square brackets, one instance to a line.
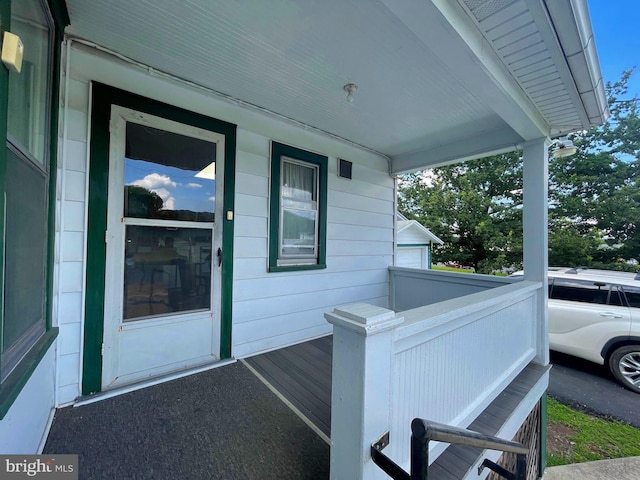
[473, 207]
[595, 193]
[594, 199]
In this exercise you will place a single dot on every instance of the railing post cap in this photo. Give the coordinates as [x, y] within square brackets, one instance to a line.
[363, 318]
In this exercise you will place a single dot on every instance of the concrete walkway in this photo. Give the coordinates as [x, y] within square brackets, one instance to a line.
[618, 469]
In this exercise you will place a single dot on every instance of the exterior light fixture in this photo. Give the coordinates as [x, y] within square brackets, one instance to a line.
[564, 148]
[350, 88]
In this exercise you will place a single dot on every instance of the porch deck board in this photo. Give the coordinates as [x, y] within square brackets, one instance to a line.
[302, 374]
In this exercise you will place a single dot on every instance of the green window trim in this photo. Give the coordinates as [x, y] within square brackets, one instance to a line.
[103, 96]
[18, 378]
[279, 150]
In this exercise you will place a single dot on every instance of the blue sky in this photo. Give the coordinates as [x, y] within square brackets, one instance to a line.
[179, 189]
[616, 27]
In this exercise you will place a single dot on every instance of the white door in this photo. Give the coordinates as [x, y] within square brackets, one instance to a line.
[162, 281]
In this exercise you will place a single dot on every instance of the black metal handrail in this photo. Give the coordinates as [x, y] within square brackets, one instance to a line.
[423, 431]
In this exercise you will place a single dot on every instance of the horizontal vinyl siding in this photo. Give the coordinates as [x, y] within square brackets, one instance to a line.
[411, 236]
[69, 269]
[271, 310]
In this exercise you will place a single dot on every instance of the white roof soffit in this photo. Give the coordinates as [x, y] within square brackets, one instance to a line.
[548, 47]
[573, 27]
[434, 86]
[545, 61]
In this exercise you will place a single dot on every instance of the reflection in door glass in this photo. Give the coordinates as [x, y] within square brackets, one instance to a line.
[168, 176]
[166, 270]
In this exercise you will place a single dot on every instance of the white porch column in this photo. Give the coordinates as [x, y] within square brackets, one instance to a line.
[535, 229]
[361, 387]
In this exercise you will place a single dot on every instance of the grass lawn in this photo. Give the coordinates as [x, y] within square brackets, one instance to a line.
[574, 437]
[451, 269]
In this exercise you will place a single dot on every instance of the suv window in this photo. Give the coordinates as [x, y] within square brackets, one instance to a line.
[615, 297]
[633, 296]
[580, 291]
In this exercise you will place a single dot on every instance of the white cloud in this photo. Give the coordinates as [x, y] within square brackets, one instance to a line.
[213, 199]
[169, 202]
[159, 184]
[163, 192]
[193, 185]
[155, 180]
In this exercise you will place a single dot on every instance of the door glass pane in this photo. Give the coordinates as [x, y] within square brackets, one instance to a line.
[166, 270]
[168, 176]
[28, 112]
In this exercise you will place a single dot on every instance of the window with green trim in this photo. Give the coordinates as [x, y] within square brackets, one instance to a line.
[298, 209]
[26, 186]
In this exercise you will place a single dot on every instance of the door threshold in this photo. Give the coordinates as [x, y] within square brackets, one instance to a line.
[114, 392]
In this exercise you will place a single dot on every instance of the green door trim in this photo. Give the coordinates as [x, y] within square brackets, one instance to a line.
[103, 97]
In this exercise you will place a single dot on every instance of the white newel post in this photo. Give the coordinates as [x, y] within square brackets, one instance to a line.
[361, 387]
[535, 158]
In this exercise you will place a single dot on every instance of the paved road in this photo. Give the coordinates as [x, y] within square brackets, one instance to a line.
[591, 388]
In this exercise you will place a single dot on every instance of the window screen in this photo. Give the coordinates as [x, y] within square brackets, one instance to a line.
[25, 259]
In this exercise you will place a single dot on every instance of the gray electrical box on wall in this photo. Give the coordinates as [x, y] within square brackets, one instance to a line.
[344, 168]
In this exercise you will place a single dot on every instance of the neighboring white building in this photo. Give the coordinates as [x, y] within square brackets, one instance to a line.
[186, 184]
[414, 243]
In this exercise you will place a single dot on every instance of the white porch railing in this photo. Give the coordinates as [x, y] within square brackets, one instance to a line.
[444, 362]
[413, 288]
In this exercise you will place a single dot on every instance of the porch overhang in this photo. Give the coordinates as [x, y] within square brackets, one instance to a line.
[439, 81]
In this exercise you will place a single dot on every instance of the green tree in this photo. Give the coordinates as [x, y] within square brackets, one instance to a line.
[594, 199]
[595, 193]
[474, 207]
[142, 202]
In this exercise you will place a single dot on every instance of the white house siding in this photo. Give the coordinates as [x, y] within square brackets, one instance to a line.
[269, 309]
[31, 412]
[410, 236]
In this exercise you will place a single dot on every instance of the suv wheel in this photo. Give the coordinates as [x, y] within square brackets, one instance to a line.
[624, 363]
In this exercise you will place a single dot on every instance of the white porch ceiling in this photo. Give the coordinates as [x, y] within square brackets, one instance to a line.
[424, 97]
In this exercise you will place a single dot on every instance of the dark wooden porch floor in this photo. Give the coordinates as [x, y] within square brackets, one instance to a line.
[226, 424]
[302, 375]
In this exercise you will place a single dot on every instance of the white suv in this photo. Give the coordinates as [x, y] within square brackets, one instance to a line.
[595, 315]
